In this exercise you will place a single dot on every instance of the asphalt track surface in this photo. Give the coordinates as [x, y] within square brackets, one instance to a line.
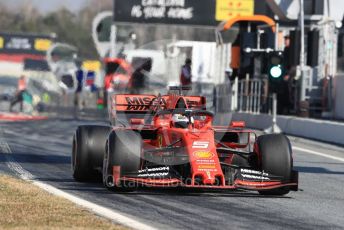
[44, 147]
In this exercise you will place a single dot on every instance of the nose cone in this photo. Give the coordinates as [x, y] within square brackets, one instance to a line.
[205, 164]
[210, 178]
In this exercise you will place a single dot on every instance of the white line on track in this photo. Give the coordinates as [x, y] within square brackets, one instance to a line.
[95, 208]
[318, 153]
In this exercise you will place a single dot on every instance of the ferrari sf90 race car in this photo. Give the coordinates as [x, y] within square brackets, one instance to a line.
[170, 141]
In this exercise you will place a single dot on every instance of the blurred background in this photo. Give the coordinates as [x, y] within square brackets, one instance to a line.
[52, 42]
[73, 54]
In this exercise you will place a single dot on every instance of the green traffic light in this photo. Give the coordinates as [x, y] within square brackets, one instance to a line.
[276, 71]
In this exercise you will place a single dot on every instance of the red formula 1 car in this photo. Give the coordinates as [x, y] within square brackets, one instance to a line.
[169, 141]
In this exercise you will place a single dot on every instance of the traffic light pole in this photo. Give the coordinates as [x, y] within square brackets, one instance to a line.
[302, 51]
[274, 128]
[113, 39]
[113, 36]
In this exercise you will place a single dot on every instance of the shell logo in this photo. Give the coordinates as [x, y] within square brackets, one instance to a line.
[203, 154]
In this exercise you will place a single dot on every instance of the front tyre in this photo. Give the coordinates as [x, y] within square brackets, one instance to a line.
[276, 159]
[124, 151]
[88, 150]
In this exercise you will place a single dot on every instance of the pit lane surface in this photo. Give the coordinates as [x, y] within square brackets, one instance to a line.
[43, 148]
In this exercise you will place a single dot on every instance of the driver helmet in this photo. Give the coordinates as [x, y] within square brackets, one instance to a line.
[180, 121]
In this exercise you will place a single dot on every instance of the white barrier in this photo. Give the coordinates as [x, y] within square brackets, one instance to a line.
[339, 97]
[328, 131]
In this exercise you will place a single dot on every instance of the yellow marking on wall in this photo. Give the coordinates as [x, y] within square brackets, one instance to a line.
[91, 65]
[1, 42]
[42, 44]
[227, 9]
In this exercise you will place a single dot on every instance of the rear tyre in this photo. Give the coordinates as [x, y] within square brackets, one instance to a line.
[88, 150]
[123, 149]
[276, 159]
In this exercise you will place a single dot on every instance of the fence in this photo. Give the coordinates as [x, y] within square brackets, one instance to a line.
[251, 95]
[218, 96]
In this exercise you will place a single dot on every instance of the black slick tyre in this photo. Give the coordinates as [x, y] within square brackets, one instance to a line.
[276, 159]
[88, 150]
[123, 150]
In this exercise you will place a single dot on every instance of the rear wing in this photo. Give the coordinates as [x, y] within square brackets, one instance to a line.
[141, 103]
[129, 103]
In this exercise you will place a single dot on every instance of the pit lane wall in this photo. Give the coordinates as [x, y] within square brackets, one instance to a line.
[328, 131]
[339, 97]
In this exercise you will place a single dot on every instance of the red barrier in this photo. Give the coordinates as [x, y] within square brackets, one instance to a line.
[20, 117]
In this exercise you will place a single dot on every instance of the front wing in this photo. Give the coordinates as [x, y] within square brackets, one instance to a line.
[238, 183]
